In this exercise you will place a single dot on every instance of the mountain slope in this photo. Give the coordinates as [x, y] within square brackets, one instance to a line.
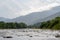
[49, 17]
[38, 22]
[36, 16]
[51, 24]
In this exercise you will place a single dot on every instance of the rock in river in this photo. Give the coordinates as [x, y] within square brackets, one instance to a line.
[7, 37]
[57, 36]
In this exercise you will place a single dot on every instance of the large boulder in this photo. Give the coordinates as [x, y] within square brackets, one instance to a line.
[57, 36]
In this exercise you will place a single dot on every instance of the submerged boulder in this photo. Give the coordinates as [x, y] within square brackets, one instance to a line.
[57, 36]
[7, 37]
[31, 36]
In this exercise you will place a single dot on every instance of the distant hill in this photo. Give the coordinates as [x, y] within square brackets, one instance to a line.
[49, 17]
[51, 24]
[4, 19]
[46, 19]
[36, 17]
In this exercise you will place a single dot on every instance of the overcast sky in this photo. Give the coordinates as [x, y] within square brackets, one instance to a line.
[15, 8]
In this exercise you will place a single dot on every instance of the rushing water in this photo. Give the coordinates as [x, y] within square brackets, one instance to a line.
[29, 34]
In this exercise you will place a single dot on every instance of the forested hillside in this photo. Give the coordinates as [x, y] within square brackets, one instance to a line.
[51, 24]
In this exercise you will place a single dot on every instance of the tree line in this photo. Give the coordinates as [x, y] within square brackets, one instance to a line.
[11, 25]
[51, 24]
